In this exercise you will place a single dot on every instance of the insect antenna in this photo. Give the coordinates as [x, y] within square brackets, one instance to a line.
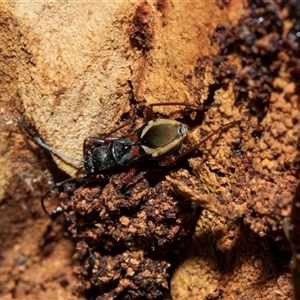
[39, 142]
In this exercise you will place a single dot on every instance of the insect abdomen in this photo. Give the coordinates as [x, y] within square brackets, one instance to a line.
[162, 136]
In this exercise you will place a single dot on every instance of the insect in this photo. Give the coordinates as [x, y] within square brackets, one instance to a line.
[156, 140]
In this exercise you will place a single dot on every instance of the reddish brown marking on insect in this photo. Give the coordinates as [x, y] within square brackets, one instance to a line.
[135, 152]
[134, 137]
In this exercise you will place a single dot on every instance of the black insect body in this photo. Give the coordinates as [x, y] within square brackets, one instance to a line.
[155, 140]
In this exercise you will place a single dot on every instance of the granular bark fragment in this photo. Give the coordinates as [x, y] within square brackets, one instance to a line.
[141, 32]
[126, 236]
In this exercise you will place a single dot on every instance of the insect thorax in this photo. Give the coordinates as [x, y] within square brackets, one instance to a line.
[99, 159]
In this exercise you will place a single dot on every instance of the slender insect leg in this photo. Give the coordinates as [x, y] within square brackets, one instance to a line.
[172, 159]
[131, 177]
[149, 111]
[128, 176]
[57, 185]
[127, 123]
[97, 141]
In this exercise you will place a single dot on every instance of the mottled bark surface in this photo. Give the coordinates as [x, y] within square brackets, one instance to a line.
[208, 228]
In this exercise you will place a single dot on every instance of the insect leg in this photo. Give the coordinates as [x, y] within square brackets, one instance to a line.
[127, 123]
[92, 141]
[57, 185]
[128, 176]
[172, 159]
[131, 177]
[97, 141]
[149, 111]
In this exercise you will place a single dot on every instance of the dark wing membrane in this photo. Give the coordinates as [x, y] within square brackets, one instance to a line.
[160, 135]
